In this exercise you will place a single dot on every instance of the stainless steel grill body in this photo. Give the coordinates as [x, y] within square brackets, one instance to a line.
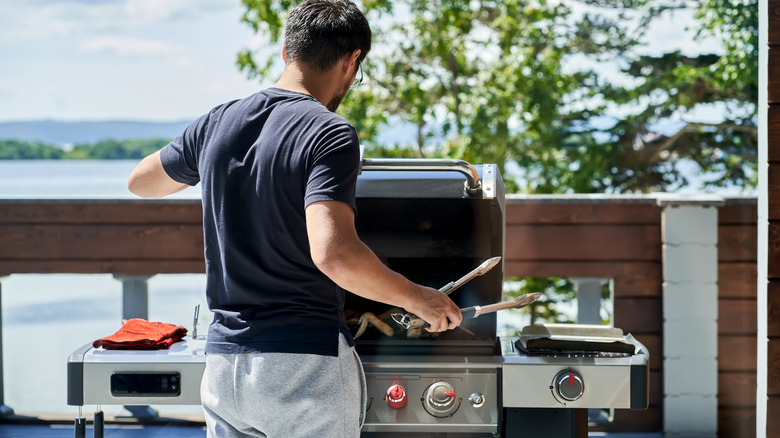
[433, 226]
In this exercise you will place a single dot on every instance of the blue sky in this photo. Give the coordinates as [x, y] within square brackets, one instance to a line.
[151, 60]
[120, 59]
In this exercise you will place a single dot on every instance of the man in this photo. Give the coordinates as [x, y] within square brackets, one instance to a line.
[278, 171]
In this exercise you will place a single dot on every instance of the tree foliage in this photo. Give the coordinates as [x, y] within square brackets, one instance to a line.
[20, 150]
[118, 149]
[523, 83]
[556, 290]
[101, 150]
[721, 83]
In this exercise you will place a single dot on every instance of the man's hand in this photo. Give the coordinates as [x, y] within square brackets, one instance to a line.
[437, 309]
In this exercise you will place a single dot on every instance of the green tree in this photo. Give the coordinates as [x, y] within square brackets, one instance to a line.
[102, 150]
[117, 149]
[20, 150]
[672, 87]
[479, 81]
[520, 82]
[555, 290]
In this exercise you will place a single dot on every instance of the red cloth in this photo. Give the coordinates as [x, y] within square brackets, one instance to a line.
[140, 334]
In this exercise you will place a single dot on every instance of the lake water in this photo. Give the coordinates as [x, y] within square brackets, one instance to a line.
[69, 178]
[47, 317]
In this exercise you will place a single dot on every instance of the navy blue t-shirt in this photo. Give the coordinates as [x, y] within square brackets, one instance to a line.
[260, 161]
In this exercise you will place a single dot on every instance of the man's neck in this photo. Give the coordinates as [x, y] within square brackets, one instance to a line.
[305, 80]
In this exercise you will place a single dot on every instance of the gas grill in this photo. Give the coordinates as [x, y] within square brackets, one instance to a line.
[432, 221]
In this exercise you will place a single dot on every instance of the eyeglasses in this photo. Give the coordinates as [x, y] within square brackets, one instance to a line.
[359, 79]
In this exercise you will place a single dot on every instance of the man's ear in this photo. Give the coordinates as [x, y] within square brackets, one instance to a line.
[350, 59]
[284, 53]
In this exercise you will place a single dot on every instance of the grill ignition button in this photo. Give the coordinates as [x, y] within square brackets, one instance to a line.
[396, 396]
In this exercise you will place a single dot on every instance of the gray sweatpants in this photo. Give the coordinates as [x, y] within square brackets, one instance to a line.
[282, 395]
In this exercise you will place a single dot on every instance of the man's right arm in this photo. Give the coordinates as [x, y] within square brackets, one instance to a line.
[338, 253]
[149, 179]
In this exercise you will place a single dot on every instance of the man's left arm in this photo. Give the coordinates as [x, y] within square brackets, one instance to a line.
[150, 180]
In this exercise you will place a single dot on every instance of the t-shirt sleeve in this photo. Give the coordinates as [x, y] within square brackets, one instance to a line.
[180, 157]
[335, 167]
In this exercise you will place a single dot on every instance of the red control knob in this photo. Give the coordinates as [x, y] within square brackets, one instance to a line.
[396, 396]
[570, 385]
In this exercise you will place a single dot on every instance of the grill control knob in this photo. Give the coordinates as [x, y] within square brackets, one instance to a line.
[440, 399]
[396, 396]
[569, 385]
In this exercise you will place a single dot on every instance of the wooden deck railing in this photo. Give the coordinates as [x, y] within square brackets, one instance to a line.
[616, 237]
[737, 318]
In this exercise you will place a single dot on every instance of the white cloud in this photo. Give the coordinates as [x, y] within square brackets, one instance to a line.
[22, 20]
[120, 59]
[156, 11]
[123, 45]
[151, 11]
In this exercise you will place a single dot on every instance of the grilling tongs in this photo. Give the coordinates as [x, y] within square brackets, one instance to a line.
[409, 320]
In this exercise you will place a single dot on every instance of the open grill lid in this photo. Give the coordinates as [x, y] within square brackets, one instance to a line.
[433, 221]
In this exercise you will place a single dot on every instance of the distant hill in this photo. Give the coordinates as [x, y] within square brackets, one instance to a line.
[66, 133]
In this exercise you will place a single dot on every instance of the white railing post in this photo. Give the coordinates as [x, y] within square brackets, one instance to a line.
[589, 312]
[4, 410]
[689, 234]
[135, 296]
[588, 299]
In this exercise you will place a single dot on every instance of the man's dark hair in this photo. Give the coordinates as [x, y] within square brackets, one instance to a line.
[320, 32]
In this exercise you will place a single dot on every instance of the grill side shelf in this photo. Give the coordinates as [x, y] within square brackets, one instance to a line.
[75, 372]
[640, 379]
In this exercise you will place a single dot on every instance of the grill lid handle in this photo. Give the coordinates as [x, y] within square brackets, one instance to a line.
[473, 186]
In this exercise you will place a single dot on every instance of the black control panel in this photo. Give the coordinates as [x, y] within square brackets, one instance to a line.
[130, 384]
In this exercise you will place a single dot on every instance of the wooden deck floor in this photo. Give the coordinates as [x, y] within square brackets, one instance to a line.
[45, 425]
[132, 431]
[111, 431]
[48, 425]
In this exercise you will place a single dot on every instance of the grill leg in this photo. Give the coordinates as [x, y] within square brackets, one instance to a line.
[98, 424]
[533, 422]
[5, 411]
[81, 426]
